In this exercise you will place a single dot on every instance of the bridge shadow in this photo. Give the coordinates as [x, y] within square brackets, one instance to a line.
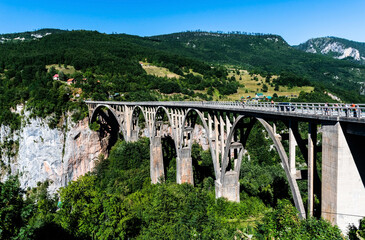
[357, 148]
[202, 164]
[109, 129]
[169, 158]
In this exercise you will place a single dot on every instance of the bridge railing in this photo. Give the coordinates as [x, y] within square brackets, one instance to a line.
[331, 109]
[335, 109]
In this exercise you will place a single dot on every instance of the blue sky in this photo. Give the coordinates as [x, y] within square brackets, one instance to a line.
[296, 21]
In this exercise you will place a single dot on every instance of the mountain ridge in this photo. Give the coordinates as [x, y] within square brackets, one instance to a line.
[335, 47]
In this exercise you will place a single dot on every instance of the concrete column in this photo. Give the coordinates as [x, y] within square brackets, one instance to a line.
[292, 145]
[216, 125]
[310, 170]
[222, 142]
[343, 191]
[128, 124]
[210, 133]
[156, 160]
[184, 167]
[134, 135]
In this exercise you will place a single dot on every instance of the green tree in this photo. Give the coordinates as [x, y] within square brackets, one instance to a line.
[264, 88]
[11, 204]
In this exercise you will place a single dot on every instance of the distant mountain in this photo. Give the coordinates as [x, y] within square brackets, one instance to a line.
[26, 36]
[335, 47]
[241, 49]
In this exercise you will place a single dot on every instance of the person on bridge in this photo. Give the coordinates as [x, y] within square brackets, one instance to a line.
[326, 108]
[346, 109]
[353, 107]
[243, 101]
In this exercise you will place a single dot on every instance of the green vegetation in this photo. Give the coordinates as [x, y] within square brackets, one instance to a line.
[190, 65]
[117, 201]
[267, 54]
[102, 66]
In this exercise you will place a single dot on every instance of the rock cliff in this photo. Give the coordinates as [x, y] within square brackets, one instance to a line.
[336, 47]
[37, 152]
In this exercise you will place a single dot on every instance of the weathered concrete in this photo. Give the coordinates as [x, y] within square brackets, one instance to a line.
[343, 191]
[311, 131]
[292, 145]
[184, 167]
[157, 168]
[230, 189]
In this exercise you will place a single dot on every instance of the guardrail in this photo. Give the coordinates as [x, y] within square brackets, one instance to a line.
[323, 109]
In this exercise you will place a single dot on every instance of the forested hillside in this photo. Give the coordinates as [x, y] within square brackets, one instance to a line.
[106, 66]
[267, 54]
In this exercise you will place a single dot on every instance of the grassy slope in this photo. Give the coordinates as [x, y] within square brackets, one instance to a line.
[252, 87]
[158, 71]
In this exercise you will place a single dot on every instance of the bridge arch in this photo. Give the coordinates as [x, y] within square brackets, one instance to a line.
[134, 120]
[155, 120]
[283, 156]
[159, 164]
[112, 111]
[185, 151]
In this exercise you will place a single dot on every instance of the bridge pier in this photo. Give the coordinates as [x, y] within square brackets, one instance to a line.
[134, 135]
[156, 160]
[343, 191]
[230, 188]
[184, 167]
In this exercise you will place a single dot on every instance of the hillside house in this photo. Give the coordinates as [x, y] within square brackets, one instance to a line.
[260, 95]
[70, 81]
[56, 77]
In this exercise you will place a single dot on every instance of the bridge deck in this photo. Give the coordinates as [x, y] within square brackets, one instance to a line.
[315, 111]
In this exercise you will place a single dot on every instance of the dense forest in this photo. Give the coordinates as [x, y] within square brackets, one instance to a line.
[117, 201]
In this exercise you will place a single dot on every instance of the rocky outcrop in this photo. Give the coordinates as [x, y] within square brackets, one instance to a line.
[336, 47]
[38, 153]
[59, 155]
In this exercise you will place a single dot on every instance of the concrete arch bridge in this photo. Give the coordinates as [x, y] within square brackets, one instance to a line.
[227, 125]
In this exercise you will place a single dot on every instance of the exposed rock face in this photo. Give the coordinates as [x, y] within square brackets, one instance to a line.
[53, 154]
[82, 149]
[335, 47]
[39, 153]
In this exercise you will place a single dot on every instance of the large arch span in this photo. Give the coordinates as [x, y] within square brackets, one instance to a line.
[227, 126]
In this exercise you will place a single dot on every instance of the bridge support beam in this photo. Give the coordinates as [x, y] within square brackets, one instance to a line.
[156, 160]
[184, 167]
[343, 191]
